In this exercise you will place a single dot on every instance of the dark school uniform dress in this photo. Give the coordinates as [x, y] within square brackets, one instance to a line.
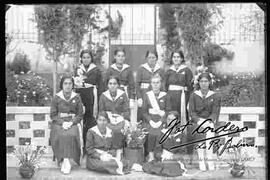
[117, 104]
[207, 107]
[126, 78]
[173, 166]
[66, 143]
[90, 92]
[143, 77]
[96, 144]
[155, 109]
[177, 83]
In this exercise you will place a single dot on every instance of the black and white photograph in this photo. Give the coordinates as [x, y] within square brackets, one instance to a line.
[136, 91]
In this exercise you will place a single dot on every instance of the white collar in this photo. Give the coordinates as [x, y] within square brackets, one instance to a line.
[125, 66]
[108, 131]
[209, 93]
[61, 95]
[91, 66]
[182, 66]
[161, 93]
[119, 93]
[147, 67]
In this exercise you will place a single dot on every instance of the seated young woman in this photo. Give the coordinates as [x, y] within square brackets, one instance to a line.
[66, 113]
[101, 151]
[155, 106]
[115, 103]
[168, 162]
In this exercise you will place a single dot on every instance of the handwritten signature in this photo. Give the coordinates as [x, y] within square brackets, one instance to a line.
[228, 127]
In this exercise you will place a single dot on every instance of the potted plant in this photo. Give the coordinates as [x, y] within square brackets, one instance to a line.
[236, 159]
[135, 137]
[29, 158]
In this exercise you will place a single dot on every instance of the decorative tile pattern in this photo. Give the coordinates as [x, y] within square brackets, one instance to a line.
[249, 140]
[234, 117]
[39, 117]
[261, 117]
[261, 132]
[39, 133]
[22, 141]
[10, 117]
[24, 125]
[250, 124]
[10, 132]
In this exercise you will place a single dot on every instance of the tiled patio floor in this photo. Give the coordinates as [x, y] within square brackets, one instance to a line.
[79, 173]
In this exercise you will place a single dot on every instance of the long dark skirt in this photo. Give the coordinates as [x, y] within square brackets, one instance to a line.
[65, 143]
[168, 168]
[152, 138]
[88, 102]
[105, 166]
[118, 137]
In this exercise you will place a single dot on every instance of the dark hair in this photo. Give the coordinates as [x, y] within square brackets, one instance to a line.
[86, 51]
[156, 76]
[181, 54]
[113, 77]
[153, 51]
[115, 53]
[207, 76]
[176, 114]
[103, 114]
[63, 78]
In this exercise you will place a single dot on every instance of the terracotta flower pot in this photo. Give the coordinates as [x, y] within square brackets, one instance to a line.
[238, 170]
[26, 172]
[134, 155]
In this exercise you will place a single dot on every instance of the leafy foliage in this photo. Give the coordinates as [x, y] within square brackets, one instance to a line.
[27, 90]
[20, 63]
[195, 27]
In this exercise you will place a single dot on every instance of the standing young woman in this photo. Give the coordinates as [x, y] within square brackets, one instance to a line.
[115, 103]
[89, 90]
[204, 104]
[123, 71]
[178, 83]
[143, 77]
[156, 105]
[66, 113]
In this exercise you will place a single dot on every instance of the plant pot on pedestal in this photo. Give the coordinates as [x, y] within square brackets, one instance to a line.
[134, 155]
[26, 172]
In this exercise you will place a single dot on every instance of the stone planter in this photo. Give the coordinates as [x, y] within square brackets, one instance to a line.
[134, 155]
[237, 170]
[26, 172]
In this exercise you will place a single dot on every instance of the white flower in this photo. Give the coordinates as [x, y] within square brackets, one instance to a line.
[80, 72]
[78, 81]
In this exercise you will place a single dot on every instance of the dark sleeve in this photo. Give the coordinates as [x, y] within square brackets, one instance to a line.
[166, 79]
[79, 112]
[158, 148]
[125, 111]
[194, 116]
[54, 112]
[162, 75]
[131, 84]
[168, 106]
[90, 148]
[101, 103]
[189, 78]
[138, 83]
[107, 75]
[100, 83]
[215, 108]
[145, 107]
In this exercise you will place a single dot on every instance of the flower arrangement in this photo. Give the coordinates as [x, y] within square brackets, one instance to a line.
[236, 159]
[201, 69]
[135, 135]
[29, 155]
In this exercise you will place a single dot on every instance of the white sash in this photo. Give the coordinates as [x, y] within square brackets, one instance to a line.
[153, 100]
[155, 109]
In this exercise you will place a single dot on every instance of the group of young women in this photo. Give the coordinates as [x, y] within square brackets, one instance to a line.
[161, 97]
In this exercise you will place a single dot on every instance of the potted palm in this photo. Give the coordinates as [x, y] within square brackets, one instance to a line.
[29, 157]
[135, 137]
[236, 160]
